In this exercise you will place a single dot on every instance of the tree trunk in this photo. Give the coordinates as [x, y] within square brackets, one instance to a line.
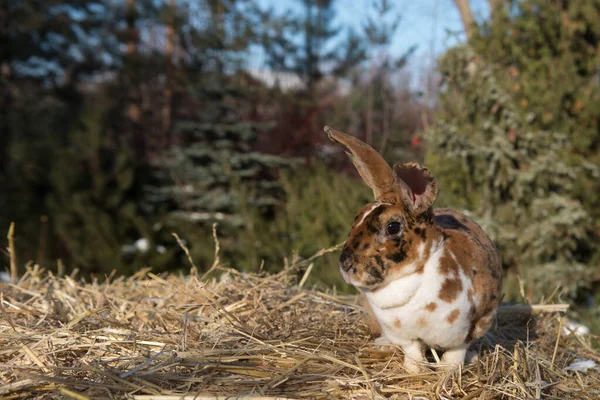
[132, 86]
[131, 31]
[369, 117]
[466, 15]
[133, 107]
[310, 50]
[6, 92]
[168, 92]
[385, 120]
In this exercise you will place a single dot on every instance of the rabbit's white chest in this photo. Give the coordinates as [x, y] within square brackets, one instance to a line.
[409, 308]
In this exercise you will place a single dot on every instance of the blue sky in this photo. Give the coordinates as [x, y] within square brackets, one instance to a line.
[425, 23]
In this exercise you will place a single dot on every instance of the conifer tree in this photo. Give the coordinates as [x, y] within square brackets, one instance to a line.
[516, 139]
[47, 48]
[310, 43]
[91, 204]
[214, 172]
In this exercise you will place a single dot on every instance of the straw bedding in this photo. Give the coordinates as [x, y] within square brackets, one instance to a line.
[260, 336]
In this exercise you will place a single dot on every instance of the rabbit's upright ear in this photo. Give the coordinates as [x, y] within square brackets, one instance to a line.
[376, 173]
[418, 188]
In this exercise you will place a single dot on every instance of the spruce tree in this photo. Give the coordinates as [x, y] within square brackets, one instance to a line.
[47, 48]
[214, 174]
[310, 43]
[91, 204]
[516, 138]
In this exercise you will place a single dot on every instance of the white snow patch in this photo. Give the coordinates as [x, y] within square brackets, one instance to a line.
[574, 327]
[581, 365]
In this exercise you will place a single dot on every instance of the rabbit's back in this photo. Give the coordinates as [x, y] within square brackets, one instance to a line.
[469, 250]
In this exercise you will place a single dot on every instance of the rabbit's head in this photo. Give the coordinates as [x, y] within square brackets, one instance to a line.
[390, 235]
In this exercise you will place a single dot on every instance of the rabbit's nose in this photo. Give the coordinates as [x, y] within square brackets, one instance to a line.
[346, 259]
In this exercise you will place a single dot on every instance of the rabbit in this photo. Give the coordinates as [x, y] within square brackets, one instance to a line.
[430, 277]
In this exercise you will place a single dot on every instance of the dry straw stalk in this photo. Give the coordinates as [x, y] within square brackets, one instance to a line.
[252, 336]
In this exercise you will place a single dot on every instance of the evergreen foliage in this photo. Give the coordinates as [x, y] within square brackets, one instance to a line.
[321, 205]
[56, 40]
[310, 43]
[45, 49]
[59, 161]
[30, 153]
[516, 139]
[93, 184]
[381, 108]
[125, 121]
[214, 173]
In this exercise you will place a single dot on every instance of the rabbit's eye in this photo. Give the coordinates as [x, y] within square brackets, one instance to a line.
[393, 228]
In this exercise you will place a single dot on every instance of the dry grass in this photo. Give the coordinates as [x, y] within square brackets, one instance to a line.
[172, 337]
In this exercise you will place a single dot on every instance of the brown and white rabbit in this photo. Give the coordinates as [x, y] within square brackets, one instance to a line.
[430, 277]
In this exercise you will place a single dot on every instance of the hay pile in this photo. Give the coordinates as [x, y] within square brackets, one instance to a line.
[260, 336]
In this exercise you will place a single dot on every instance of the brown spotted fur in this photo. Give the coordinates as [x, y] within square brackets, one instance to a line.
[406, 194]
[459, 233]
[471, 246]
